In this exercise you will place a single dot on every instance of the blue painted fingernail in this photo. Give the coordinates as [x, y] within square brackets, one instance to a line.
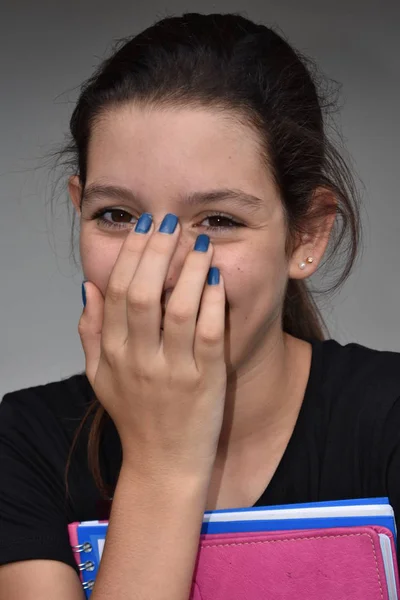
[83, 294]
[213, 276]
[168, 224]
[202, 243]
[144, 223]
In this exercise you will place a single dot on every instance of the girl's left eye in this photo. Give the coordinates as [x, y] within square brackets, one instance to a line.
[123, 214]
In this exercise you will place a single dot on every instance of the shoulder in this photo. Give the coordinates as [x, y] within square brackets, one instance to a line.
[39, 429]
[62, 403]
[37, 425]
[353, 365]
[356, 378]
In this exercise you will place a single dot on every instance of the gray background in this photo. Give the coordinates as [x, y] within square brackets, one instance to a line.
[48, 48]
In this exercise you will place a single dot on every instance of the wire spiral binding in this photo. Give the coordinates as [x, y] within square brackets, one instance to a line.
[88, 585]
[87, 566]
[85, 547]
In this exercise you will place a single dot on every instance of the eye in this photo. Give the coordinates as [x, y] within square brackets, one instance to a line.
[218, 218]
[126, 220]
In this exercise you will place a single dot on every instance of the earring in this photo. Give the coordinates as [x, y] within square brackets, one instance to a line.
[303, 265]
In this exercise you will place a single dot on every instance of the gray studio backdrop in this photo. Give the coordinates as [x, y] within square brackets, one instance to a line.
[48, 48]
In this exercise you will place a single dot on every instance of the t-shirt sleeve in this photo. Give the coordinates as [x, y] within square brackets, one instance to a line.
[33, 446]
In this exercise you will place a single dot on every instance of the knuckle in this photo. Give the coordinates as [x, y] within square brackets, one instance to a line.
[178, 316]
[115, 291]
[209, 338]
[109, 352]
[159, 244]
[81, 327]
[140, 300]
[132, 247]
[142, 372]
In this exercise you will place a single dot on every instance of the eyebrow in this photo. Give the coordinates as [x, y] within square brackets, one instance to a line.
[237, 197]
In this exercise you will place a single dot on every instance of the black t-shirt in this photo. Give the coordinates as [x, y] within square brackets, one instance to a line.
[346, 444]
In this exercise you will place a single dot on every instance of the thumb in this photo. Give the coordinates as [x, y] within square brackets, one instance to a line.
[90, 327]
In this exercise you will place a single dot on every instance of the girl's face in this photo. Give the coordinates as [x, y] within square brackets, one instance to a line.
[155, 159]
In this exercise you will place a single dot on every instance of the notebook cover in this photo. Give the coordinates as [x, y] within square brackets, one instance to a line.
[94, 534]
[217, 528]
[73, 540]
[384, 516]
[326, 564]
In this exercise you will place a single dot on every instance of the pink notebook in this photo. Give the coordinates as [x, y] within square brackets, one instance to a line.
[327, 564]
[342, 563]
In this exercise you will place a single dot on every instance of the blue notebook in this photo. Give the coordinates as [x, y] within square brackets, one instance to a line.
[313, 515]
[88, 537]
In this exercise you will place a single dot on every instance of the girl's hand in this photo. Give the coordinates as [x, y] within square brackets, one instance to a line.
[164, 390]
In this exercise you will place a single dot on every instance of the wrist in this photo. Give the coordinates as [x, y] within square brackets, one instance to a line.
[164, 478]
[152, 464]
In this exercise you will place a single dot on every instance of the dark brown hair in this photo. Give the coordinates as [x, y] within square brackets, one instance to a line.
[229, 63]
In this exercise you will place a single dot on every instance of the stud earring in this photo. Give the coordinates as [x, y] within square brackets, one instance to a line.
[303, 265]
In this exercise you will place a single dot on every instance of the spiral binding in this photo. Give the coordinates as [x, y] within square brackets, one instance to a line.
[88, 585]
[88, 565]
[85, 547]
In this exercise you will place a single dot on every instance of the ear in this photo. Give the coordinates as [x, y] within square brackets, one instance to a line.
[310, 247]
[75, 192]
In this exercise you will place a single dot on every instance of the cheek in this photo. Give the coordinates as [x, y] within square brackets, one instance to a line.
[98, 260]
[254, 280]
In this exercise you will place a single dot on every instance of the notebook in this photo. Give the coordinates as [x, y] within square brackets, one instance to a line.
[321, 550]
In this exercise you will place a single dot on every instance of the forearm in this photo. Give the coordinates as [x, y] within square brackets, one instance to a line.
[152, 539]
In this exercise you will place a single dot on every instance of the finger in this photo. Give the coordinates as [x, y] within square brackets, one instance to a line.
[90, 327]
[209, 342]
[115, 326]
[145, 290]
[184, 305]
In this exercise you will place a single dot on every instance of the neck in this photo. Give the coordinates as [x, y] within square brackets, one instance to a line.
[264, 396]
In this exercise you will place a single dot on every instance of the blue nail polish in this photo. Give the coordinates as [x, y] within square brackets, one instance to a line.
[144, 223]
[202, 243]
[168, 224]
[83, 294]
[213, 276]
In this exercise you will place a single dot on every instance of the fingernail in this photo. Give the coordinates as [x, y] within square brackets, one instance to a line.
[144, 223]
[202, 243]
[83, 294]
[213, 276]
[168, 224]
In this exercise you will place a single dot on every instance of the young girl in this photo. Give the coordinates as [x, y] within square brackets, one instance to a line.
[207, 193]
